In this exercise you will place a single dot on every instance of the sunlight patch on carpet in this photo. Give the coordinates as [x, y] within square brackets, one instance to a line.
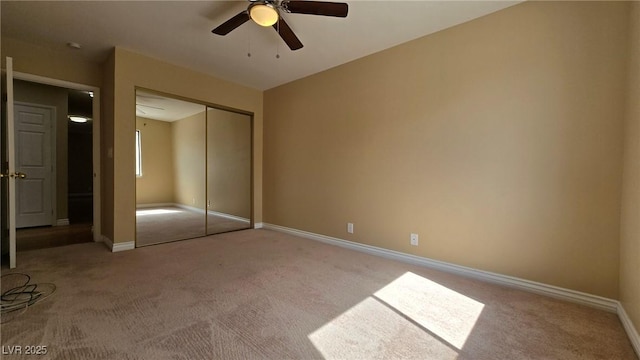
[155, 212]
[411, 316]
[371, 330]
[445, 312]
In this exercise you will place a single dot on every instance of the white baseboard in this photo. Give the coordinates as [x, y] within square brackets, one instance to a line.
[229, 216]
[531, 286]
[211, 212]
[190, 208]
[629, 328]
[116, 247]
[258, 225]
[107, 242]
[62, 222]
[129, 245]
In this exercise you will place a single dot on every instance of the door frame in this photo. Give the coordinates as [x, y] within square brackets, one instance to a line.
[97, 205]
[53, 156]
[9, 145]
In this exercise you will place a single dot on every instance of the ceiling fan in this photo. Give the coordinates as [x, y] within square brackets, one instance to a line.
[268, 13]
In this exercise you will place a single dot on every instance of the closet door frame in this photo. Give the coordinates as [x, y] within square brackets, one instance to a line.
[208, 105]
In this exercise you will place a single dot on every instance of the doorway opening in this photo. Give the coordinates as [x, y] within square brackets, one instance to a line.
[54, 205]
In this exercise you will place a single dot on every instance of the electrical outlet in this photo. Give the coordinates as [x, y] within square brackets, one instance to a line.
[350, 228]
[414, 239]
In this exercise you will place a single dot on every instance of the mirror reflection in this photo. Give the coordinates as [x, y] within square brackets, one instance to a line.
[228, 171]
[193, 169]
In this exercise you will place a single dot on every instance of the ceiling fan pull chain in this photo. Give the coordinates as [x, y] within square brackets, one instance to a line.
[248, 43]
[278, 43]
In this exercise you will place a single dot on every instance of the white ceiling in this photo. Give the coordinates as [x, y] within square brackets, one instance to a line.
[179, 32]
[153, 106]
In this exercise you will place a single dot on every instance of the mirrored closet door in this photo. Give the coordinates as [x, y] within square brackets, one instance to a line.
[228, 171]
[193, 169]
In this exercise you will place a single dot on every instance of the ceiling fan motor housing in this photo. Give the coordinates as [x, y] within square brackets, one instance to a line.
[263, 13]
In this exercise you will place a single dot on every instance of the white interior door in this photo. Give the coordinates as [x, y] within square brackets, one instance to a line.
[33, 126]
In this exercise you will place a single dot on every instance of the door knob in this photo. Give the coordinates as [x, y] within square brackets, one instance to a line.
[19, 175]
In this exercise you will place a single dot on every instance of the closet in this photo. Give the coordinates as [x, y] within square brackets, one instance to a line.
[193, 169]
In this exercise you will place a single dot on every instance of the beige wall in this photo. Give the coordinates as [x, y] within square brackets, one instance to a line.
[497, 141]
[229, 162]
[630, 234]
[131, 70]
[189, 158]
[40, 94]
[61, 64]
[155, 186]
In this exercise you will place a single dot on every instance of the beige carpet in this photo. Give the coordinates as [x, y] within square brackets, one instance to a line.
[258, 294]
[165, 224]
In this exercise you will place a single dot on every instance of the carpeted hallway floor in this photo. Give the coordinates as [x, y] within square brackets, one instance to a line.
[261, 294]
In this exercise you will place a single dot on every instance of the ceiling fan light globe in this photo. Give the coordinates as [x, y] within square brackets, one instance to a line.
[263, 14]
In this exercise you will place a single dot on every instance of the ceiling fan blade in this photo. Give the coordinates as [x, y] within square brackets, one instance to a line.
[231, 24]
[287, 34]
[316, 8]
